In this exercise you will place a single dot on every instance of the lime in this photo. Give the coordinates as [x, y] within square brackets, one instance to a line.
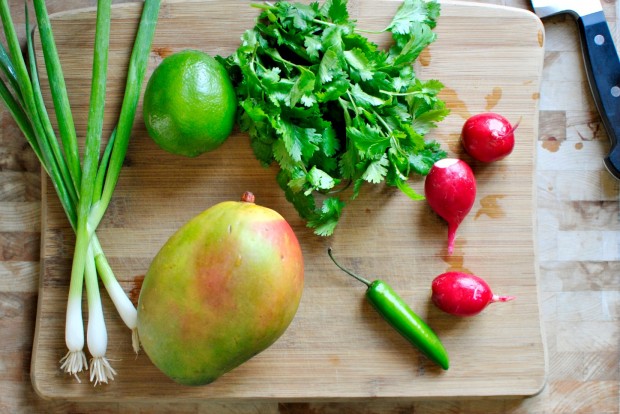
[189, 104]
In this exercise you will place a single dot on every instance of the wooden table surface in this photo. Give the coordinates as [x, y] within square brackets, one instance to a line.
[578, 242]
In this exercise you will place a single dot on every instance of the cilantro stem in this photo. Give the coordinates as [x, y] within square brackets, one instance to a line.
[355, 109]
[341, 188]
[370, 31]
[265, 5]
[345, 111]
[323, 22]
[393, 139]
[398, 93]
[383, 122]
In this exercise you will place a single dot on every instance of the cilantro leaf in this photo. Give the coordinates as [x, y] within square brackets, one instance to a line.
[411, 13]
[325, 222]
[422, 161]
[329, 143]
[313, 46]
[408, 48]
[424, 122]
[329, 68]
[304, 204]
[298, 180]
[283, 156]
[336, 10]
[365, 99]
[319, 180]
[304, 85]
[376, 170]
[298, 16]
[368, 140]
[358, 61]
[333, 90]
[348, 162]
[294, 140]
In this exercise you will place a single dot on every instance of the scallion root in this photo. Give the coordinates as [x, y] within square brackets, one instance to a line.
[96, 335]
[101, 370]
[135, 340]
[73, 363]
[75, 360]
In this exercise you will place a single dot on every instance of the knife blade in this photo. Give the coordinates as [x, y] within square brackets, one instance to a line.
[602, 64]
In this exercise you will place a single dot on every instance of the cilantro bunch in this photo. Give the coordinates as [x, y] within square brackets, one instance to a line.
[331, 108]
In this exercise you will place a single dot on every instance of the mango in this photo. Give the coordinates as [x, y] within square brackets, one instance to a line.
[222, 289]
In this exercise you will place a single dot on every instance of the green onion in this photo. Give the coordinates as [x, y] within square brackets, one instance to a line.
[84, 188]
[89, 173]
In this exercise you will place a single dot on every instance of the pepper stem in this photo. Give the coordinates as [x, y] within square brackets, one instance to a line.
[361, 279]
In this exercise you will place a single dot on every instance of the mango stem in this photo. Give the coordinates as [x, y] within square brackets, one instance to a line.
[248, 197]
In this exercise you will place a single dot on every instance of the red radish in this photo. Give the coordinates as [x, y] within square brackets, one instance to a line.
[488, 137]
[463, 294]
[450, 189]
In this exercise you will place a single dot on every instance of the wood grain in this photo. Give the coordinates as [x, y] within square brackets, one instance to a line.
[575, 384]
[337, 347]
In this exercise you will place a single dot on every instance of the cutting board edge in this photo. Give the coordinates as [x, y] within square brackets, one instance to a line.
[516, 10]
[197, 397]
[135, 5]
[545, 354]
[536, 127]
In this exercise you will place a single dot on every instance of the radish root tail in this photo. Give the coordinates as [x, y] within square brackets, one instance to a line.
[497, 298]
[452, 227]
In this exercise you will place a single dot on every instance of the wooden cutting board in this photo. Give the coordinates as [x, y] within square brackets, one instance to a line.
[489, 58]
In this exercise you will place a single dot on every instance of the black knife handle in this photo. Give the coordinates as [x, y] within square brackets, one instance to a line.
[603, 69]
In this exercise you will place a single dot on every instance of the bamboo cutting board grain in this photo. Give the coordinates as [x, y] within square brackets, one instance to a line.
[489, 58]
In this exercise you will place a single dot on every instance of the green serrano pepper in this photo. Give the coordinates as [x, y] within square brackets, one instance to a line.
[398, 314]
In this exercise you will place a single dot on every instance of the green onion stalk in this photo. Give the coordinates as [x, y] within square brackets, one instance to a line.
[84, 186]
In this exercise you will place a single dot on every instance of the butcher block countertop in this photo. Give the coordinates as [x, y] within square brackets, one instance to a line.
[576, 253]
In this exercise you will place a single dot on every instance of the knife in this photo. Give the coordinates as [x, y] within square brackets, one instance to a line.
[601, 62]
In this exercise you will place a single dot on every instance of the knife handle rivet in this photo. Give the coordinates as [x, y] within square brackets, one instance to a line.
[615, 91]
[599, 39]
